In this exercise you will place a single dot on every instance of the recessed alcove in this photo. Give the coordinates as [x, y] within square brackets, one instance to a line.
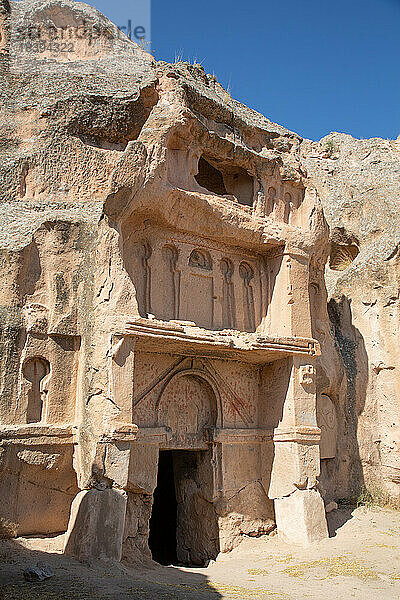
[191, 279]
[344, 249]
[210, 178]
[342, 255]
[35, 371]
[225, 179]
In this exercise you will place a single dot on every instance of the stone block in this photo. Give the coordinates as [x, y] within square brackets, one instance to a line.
[142, 476]
[96, 525]
[300, 518]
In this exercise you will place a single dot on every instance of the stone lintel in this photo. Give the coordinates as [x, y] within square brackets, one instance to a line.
[153, 435]
[189, 340]
[38, 434]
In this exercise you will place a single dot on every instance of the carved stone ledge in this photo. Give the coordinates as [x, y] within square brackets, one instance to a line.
[297, 434]
[123, 432]
[151, 335]
[242, 436]
[37, 434]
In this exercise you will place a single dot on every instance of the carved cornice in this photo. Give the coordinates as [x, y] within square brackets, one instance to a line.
[162, 435]
[188, 340]
[297, 434]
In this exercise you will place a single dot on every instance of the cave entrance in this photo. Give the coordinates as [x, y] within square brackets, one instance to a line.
[162, 537]
[183, 524]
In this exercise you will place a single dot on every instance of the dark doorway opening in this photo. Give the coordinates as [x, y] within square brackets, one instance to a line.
[184, 524]
[210, 178]
[162, 537]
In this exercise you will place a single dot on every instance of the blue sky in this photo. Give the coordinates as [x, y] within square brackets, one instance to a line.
[314, 66]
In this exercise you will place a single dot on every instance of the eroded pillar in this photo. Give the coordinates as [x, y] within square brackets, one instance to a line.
[299, 508]
[102, 458]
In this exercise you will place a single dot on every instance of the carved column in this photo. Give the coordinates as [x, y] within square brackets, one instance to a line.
[290, 303]
[299, 508]
[98, 512]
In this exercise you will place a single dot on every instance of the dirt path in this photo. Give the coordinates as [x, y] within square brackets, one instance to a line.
[361, 561]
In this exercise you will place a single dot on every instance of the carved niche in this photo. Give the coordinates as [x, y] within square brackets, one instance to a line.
[143, 253]
[283, 204]
[228, 295]
[36, 372]
[172, 282]
[247, 275]
[187, 406]
[213, 286]
[200, 259]
[288, 207]
[271, 199]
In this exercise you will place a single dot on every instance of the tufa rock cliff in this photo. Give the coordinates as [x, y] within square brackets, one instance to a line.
[180, 274]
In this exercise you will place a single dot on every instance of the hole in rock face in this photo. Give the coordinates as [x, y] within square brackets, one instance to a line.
[210, 178]
[342, 256]
[222, 179]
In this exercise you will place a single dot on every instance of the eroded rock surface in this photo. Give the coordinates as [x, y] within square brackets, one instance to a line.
[358, 182]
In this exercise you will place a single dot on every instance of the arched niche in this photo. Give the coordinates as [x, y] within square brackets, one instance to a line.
[271, 200]
[188, 404]
[36, 371]
[171, 279]
[142, 279]
[200, 259]
[246, 273]
[228, 294]
[287, 208]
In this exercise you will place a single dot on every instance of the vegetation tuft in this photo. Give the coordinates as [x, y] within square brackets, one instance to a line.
[330, 148]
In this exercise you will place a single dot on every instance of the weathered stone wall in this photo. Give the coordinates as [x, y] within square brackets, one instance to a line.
[358, 182]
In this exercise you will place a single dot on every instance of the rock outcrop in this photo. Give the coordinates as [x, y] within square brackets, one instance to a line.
[358, 182]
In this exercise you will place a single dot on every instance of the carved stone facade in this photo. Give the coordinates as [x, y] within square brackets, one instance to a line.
[160, 355]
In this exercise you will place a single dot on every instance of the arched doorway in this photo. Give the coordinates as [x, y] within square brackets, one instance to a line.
[183, 525]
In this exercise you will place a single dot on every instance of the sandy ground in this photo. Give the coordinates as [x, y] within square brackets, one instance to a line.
[360, 560]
